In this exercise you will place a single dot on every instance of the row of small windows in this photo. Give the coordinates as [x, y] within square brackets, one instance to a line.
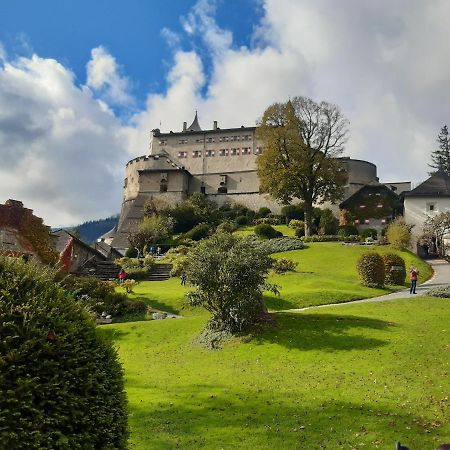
[247, 137]
[222, 152]
[367, 222]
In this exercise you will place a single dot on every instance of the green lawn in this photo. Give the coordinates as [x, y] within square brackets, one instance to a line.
[326, 273]
[349, 377]
[250, 229]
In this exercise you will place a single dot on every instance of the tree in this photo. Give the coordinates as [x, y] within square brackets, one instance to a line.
[328, 223]
[440, 158]
[302, 140]
[157, 206]
[229, 275]
[435, 228]
[152, 230]
[398, 233]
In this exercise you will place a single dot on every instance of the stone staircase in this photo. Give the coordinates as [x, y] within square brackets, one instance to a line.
[160, 272]
[107, 270]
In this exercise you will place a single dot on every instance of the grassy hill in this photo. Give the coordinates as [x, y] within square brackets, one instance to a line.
[354, 377]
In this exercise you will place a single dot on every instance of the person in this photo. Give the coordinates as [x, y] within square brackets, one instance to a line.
[413, 274]
[158, 251]
[183, 279]
[152, 250]
[122, 276]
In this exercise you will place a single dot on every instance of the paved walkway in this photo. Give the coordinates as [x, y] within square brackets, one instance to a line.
[440, 277]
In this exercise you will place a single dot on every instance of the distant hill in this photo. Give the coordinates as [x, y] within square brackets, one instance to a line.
[90, 231]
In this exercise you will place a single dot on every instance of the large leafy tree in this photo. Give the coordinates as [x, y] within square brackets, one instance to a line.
[440, 158]
[151, 231]
[303, 140]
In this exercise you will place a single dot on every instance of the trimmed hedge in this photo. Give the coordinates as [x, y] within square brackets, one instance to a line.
[330, 238]
[394, 269]
[61, 385]
[283, 265]
[347, 230]
[371, 269]
[441, 292]
[277, 245]
[265, 230]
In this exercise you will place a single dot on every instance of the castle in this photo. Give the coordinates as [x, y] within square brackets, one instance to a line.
[221, 163]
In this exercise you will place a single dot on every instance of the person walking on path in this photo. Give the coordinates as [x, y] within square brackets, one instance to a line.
[122, 276]
[413, 274]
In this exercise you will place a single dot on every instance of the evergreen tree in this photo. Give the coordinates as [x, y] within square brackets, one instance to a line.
[440, 158]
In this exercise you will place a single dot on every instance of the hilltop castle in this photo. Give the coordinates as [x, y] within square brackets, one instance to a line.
[221, 163]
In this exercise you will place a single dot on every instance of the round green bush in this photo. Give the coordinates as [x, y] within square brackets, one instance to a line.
[263, 211]
[369, 232]
[394, 269]
[131, 252]
[242, 220]
[347, 230]
[199, 232]
[371, 269]
[61, 385]
[265, 230]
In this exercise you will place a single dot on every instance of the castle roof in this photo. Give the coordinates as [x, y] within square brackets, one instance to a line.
[195, 126]
[438, 185]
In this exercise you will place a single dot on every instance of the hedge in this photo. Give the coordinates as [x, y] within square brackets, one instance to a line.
[371, 269]
[265, 230]
[394, 268]
[61, 385]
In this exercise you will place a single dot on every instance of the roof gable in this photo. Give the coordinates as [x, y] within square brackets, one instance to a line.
[438, 185]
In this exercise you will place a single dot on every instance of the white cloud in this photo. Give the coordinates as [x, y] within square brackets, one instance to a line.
[103, 76]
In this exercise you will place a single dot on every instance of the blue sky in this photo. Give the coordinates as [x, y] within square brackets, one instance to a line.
[83, 83]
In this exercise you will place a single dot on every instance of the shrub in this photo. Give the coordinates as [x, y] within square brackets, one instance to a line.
[137, 273]
[347, 230]
[283, 265]
[328, 223]
[268, 220]
[371, 269]
[61, 385]
[95, 295]
[241, 220]
[394, 269]
[178, 266]
[229, 275]
[331, 238]
[300, 232]
[398, 233]
[151, 231]
[293, 212]
[265, 230]
[295, 224]
[226, 227]
[136, 307]
[442, 292]
[131, 252]
[128, 285]
[369, 233]
[263, 211]
[199, 232]
[185, 218]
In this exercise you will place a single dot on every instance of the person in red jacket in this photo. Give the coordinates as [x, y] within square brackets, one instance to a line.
[413, 274]
[122, 276]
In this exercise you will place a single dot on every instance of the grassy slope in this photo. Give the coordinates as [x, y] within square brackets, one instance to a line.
[326, 273]
[357, 377]
[249, 229]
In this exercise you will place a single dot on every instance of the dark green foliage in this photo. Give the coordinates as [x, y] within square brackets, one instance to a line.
[229, 275]
[226, 227]
[263, 211]
[265, 230]
[369, 232]
[442, 292]
[199, 232]
[441, 156]
[95, 295]
[371, 269]
[61, 385]
[347, 230]
[271, 220]
[242, 220]
[131, 252]
[284, 265]
[394, 269]
[327, 223]
[293, 212]
[136, 307]
[184, 217]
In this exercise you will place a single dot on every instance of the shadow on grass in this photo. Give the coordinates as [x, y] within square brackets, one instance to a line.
[112, 334]
[233, 417]
[327, 332]
[158, 305]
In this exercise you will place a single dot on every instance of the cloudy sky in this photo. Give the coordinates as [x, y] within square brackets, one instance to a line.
[82, 83]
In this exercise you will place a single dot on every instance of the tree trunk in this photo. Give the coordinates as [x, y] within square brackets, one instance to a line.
[308, 219]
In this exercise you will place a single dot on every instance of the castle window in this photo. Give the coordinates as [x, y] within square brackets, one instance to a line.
[234, 152]
[223, 152]
[222, 190]
[163, 186]
[125, 182]
[367, 222]
[379, 205]
[431, 207]
[362, 206]
[183, 141]
[209, 153]
[163, 142]
[198, 141]
[210, 139]
[182, 154]
[246, 151]
[197, 153]
[258, 150]
[383, 221]
[356, 222]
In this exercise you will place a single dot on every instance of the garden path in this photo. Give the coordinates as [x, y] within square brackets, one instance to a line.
[441, 277]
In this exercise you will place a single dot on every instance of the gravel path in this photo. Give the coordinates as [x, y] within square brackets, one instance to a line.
[441, 277]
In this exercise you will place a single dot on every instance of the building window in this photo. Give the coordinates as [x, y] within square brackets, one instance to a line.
[367, 222]
[379, 205]
[202, 189]
[383, 221]
[209, 153]
[210, 139]
[163, 186]
[163, 142]
[197, 153]
[223, 152]
[356, 222]
[258, 150]
[246, 151]
[183, 141]
[182, 154]
[234, 152]
[199, 141]
[222, 190]
[362, 206]
[431, 207]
